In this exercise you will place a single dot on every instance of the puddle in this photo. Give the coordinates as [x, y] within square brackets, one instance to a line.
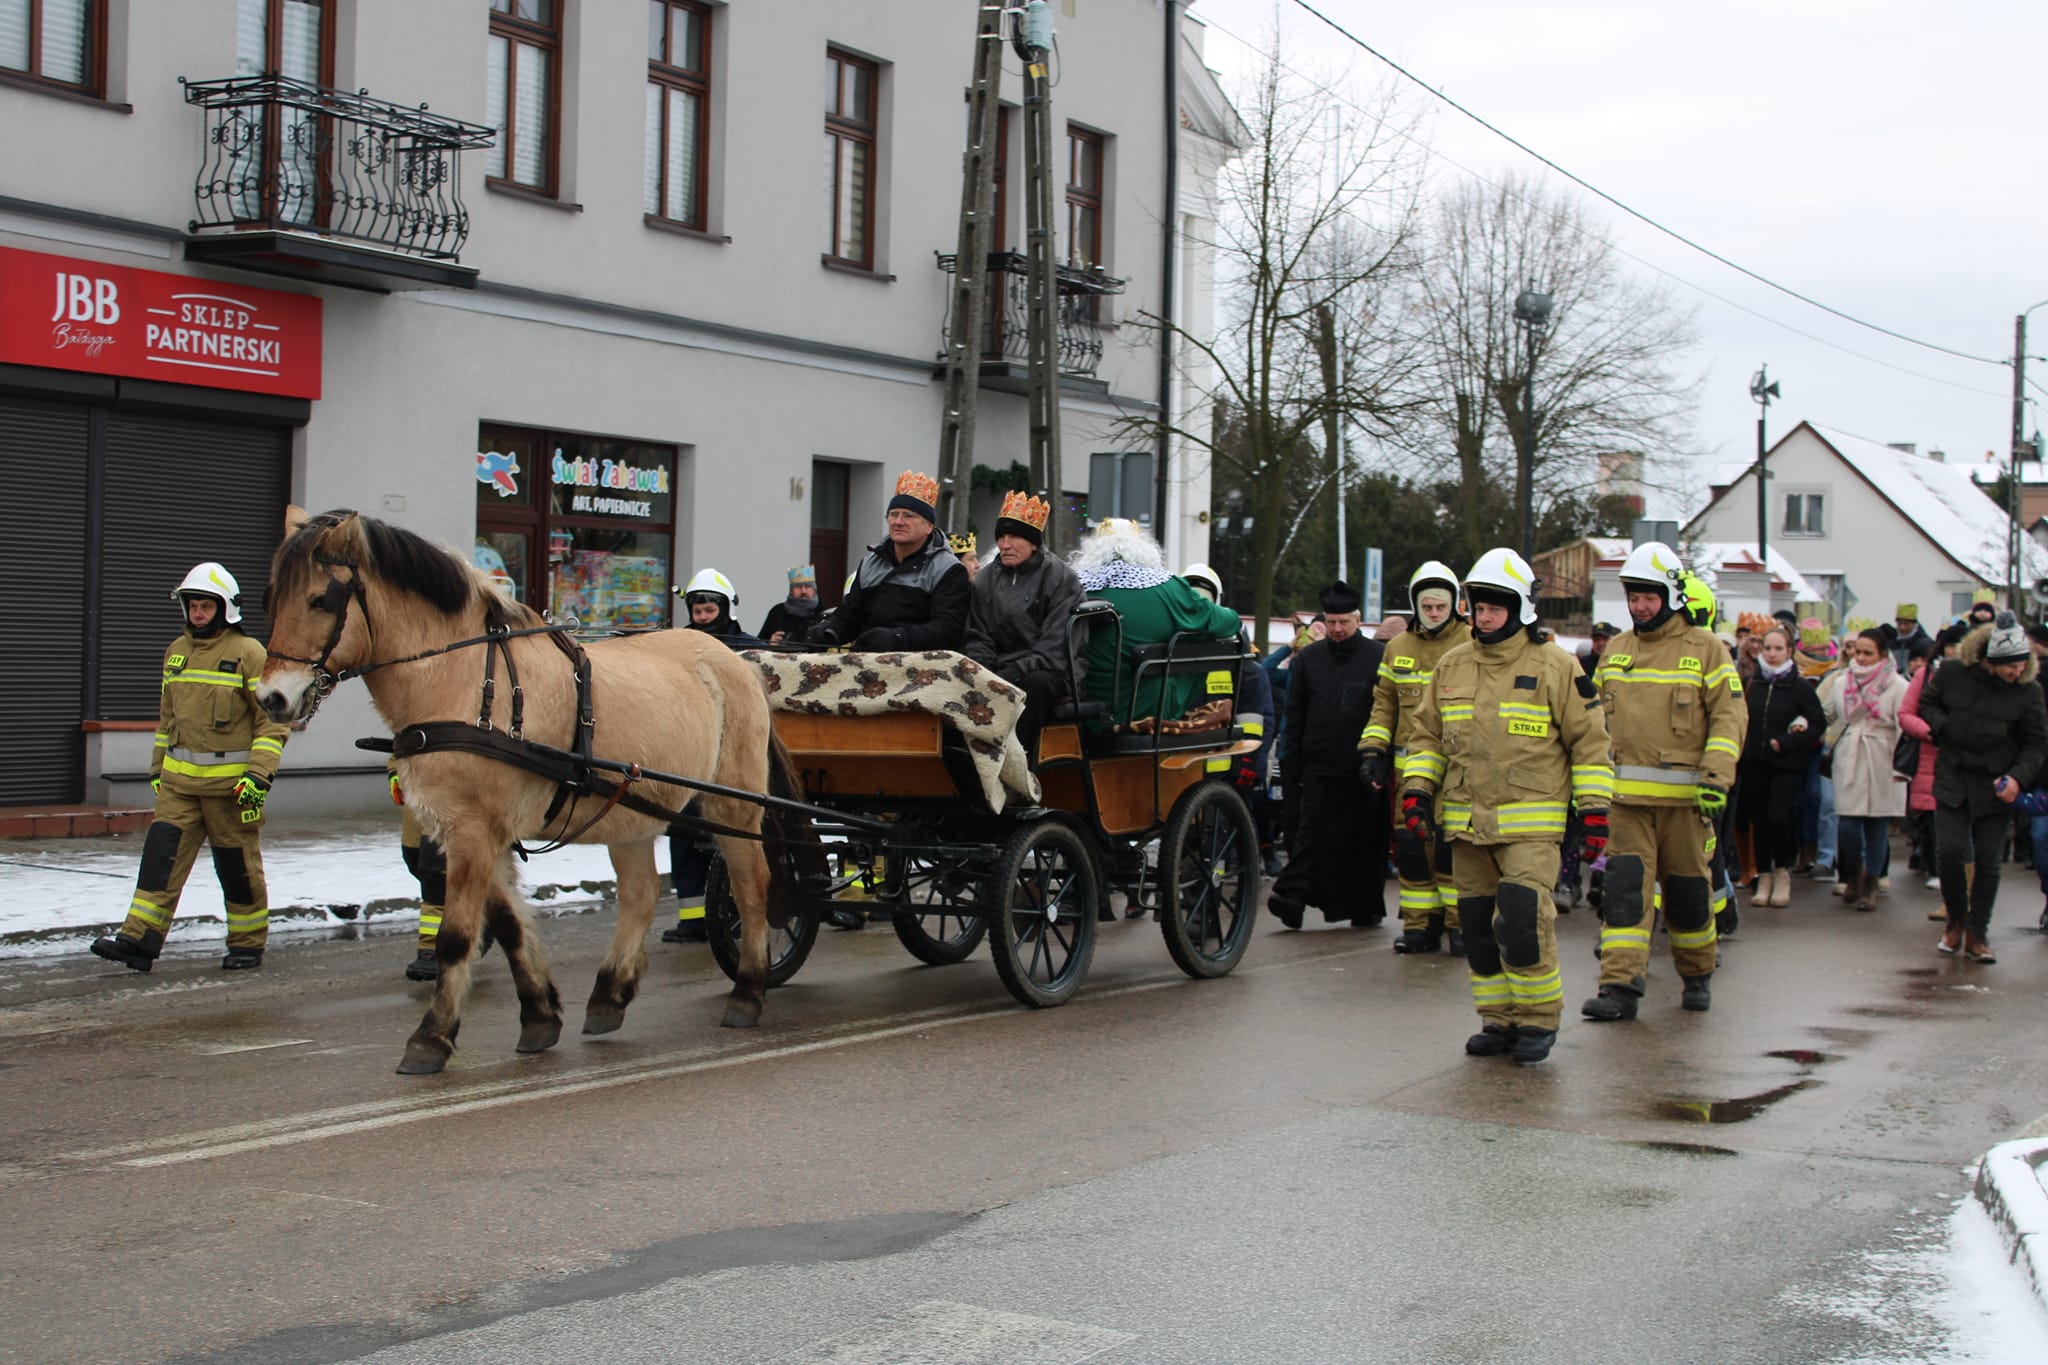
[1728, 1111]
[1686, 1148]
[1803, 1056]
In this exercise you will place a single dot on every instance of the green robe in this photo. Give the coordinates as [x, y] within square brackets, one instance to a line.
[1152, 616]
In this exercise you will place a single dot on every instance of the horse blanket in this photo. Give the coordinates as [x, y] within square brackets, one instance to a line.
[966, 696]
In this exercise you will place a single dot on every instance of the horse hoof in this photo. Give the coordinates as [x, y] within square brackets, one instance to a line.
[740, 1014]
[540, 1036]
[603, 1021]
[422, 1059]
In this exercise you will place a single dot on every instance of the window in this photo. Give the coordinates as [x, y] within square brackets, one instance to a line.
[55, 41]
[678, 97]
[849, 160]
[520, 91]
[1804, 514]
[278, 178]
[1084, 214]
[1120, 485]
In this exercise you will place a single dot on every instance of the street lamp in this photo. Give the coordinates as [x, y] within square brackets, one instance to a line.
[1763, 391]
[1532, 312]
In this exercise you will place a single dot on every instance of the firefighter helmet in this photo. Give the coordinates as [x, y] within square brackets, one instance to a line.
[212, 580]
[1202, 576]
[1504, 571]
[1433, 571]
[1654, 564]
[710, 582]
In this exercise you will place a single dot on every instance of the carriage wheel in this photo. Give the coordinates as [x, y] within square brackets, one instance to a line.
[947, 927]
[1040, 910]
[787, 946]
[1209, 879]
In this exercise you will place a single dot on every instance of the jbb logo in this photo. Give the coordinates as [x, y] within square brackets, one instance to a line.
[86, 298]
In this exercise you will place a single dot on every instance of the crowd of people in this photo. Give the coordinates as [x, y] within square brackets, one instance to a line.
[1456, 746]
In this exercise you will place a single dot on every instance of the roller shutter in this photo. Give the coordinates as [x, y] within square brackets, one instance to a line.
[43, 466]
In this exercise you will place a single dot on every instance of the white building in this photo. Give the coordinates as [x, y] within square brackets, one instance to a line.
[1739, 581]
[583, 295]
[1873, 525]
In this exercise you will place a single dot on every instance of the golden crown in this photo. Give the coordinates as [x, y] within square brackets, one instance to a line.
[1023, 507]
[923, 487]
[962, 543]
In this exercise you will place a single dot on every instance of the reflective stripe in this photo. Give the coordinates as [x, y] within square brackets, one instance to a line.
[1720, 744]
[1252, 723]
[1457, 815]
[1447, 895]
[1524, 708]
[161, 739]
[1699, 938]
[184, 769]
[1490, 990]
[691, 909]
[1530, 817]
[1400, 677]
[207, 677]
[185, 755]
[1543, 989]
[430, 925]
[263, 744]
[1456, 710]
[1593, 781]
[1638, 780]
[1427, 766]
[1725, 673]
[1720, 899]
[1419, 897]
[149, 914]
[248, 919]
[1377, 734]
[1637, 937]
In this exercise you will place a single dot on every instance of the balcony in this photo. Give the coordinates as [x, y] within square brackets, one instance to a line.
[318, 184]
[1005, 357]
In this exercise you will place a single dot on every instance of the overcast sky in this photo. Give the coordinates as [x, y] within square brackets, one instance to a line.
[1882, 157]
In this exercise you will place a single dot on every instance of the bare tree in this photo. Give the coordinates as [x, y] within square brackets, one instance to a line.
[1315, 250]
[1606, 370]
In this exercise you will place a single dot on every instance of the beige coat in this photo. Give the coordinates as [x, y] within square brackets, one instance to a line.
[1863, 777]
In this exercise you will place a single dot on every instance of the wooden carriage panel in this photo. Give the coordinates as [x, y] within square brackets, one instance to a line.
[1124, 790]
[899, 734]
[874, 775]
[1059, 741]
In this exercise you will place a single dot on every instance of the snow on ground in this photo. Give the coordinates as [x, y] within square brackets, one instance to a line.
[55, 892]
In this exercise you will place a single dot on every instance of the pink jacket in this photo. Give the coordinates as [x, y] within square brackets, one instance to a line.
[1920, 795]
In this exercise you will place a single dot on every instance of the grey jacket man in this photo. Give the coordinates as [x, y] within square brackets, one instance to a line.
[1018, 621]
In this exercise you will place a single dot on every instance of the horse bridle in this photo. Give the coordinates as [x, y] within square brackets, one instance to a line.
[335, 600]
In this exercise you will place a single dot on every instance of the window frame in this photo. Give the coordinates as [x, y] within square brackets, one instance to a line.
[518, 32]
[1810, 513]
[668, 76]
[838, 124]
[94, 86]
[1085, 197]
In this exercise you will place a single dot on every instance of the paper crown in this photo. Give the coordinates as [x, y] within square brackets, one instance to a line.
[923, 487]
[962, 543]
[1812, 633]
[1908, 611]
[1984, 595]
[1023, 507]
[1755, 622]
[800, 574]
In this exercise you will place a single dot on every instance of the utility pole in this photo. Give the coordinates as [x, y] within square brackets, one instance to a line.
[2012, 483]
[970, 269]
[1763, 391]
[1041, 159]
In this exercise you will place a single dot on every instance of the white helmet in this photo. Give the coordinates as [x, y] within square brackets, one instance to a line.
[1433, 571]
[1202, 576]
[214, 581]
[1654, 564]
[1505, 571]
[712, 581]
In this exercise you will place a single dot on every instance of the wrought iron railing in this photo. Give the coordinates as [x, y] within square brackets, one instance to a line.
[283, 154]
[1005, 334]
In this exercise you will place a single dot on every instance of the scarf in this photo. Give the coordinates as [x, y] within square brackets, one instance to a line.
[1120, 573]
[1864, 687]
[1778, 671]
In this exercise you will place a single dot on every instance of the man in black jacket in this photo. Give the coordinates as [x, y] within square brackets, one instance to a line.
[1019, 607]
[1339, 858]
[910, 592]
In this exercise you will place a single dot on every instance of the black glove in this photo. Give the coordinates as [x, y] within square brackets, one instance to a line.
[876, 638]
[1415, 815]
[1374, 768]
[1246, 776]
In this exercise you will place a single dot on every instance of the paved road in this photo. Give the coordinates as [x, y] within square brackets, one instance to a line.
[1293, 1163]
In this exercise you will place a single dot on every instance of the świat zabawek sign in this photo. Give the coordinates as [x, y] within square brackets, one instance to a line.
[69, 314]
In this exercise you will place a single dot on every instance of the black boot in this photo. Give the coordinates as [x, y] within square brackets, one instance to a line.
[1697, 997]
[424, 966]
[241, 959]
[1532, 1045]
[1416, 941]
[1613, 1003]
[1727, 920]
[1492, 1041]
[684, 931]
[1456, 947]
[847, 919]
[125, 951]
[1285, 909]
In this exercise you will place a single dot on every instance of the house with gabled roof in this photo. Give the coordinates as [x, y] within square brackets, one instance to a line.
[1871, 525]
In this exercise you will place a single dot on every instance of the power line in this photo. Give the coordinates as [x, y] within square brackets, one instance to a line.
[1634, 213]
[1338, 97]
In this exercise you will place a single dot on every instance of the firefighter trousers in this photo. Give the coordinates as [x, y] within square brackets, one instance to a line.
[1665, 851]
[428, 863]
[1428, 889]
[182, 823]
[1510, 927]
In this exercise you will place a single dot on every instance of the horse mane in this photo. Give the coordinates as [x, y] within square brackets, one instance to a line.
[403, 559]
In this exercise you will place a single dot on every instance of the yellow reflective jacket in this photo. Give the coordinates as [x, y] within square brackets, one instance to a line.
[1675, 712]
[1404, 679]
[210, 731]
[1510, 734]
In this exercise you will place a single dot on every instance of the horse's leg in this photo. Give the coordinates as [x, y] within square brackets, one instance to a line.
[746, 870]
[540, 1004]
[618, 977]
[470, 863]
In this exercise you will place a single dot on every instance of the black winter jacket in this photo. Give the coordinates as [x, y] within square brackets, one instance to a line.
[1017, 621]
[920, 601]
[1773, 704]
[1983, 728]
[1329, 701]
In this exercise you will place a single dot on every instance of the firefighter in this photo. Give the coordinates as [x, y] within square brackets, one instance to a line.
[1429, 899]
[1509, 733]
[1246, 772]
[215, 757]
[710, 599]
[1675, 710]
[428, 863]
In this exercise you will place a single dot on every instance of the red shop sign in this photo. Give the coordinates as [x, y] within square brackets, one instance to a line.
[69, 314]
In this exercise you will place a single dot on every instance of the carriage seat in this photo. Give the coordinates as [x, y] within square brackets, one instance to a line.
[1143, 664]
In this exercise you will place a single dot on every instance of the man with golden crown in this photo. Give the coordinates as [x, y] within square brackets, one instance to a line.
[1017, 626]
[910, 591]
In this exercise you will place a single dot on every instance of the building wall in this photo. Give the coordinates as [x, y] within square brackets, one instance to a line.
[747, 353]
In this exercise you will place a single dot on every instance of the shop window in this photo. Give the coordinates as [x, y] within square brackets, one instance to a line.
[55, 42]
[579, 526]
[522, 88]
[678, 98]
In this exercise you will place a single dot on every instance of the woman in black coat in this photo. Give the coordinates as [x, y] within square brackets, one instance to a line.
[1785, 722]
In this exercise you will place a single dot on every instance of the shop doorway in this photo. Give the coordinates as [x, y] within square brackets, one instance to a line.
[829, 481]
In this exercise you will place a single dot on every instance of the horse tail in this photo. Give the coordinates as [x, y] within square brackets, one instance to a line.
[787, 837]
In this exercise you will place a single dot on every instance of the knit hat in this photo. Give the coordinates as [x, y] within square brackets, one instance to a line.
[917, 493]
[961, 543]
[1340, 599]
[2008, 641]
[1023, 515]
[803, 575]
[1908, 611]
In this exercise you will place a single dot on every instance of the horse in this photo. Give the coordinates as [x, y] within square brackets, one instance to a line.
[427, 636]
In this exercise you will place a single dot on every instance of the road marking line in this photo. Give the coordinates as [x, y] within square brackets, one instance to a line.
[343, 1120]
[223, 1049]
